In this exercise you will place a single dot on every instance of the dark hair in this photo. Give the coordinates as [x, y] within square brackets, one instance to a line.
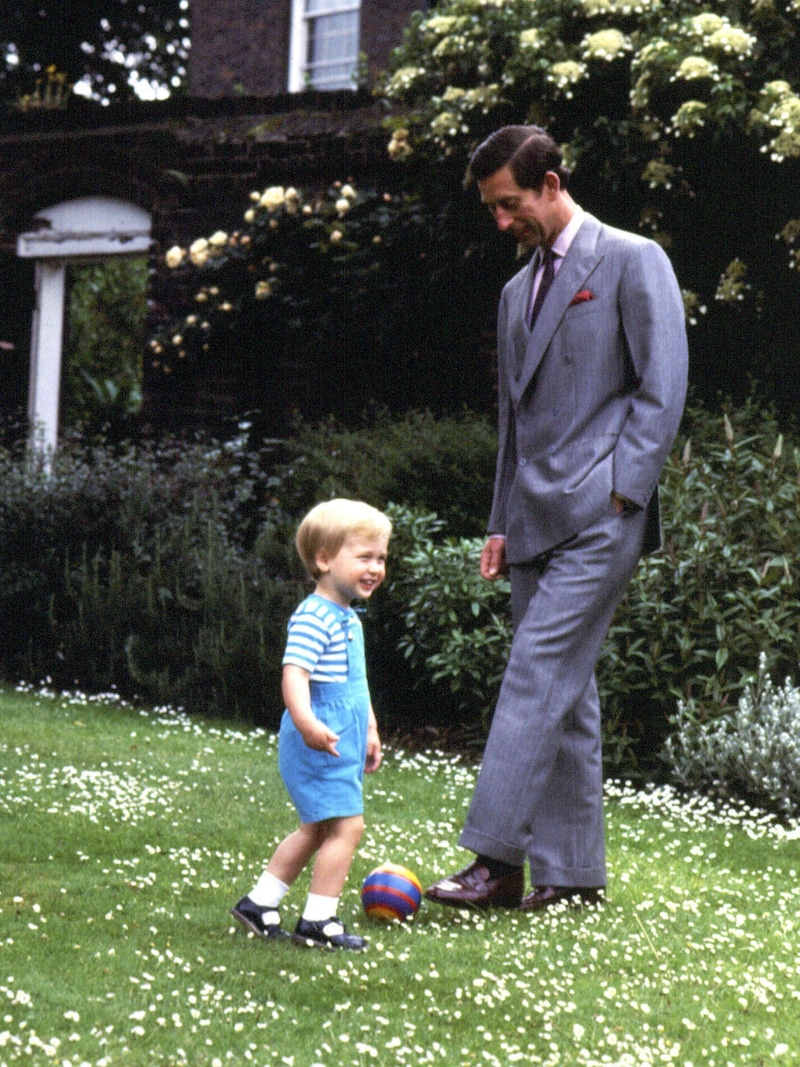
[528, 151]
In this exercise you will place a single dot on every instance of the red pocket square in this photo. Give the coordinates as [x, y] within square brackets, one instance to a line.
[582, 297]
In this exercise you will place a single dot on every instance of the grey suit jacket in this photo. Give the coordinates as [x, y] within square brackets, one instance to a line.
[591, 399]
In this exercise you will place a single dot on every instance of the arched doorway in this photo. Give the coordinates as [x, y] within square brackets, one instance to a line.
[76, 231]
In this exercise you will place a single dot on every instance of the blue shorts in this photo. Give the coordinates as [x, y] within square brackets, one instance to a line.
[322, 786]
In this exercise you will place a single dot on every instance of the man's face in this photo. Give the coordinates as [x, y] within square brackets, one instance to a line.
[526, 214]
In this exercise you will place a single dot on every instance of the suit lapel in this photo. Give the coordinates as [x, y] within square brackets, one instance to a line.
[579, 262]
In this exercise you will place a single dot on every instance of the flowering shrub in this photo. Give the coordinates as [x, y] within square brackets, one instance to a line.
[281, 231]
[329, 304]
[752, 753]
[677, 119]
[455, 53]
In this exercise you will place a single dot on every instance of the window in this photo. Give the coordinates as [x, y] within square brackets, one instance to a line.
[324, 50]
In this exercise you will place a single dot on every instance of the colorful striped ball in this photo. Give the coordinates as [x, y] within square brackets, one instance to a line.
[391, 892]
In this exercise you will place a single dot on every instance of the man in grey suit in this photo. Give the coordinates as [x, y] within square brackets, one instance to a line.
[592, 361]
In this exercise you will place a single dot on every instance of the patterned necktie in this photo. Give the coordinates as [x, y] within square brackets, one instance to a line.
[546, 281]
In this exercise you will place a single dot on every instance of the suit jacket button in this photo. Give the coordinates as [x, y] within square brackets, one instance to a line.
[523, 462]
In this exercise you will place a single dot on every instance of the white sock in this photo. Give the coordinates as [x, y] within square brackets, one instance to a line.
[268, 891]
[319, 908]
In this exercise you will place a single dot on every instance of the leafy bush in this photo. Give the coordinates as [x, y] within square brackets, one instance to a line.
[138, 568]
[444, 465]
[752, 754]
[698, 614]
[169, 570]
[456, 632]
[103, 355]
[695, 615]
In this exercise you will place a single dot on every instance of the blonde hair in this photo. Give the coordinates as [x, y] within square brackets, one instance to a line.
[328, 525]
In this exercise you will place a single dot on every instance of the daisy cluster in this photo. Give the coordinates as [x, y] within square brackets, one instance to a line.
[131, 957]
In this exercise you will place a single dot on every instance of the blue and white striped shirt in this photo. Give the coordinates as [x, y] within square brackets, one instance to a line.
[317, 639]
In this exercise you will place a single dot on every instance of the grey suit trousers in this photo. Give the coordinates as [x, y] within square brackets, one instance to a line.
[539, 794]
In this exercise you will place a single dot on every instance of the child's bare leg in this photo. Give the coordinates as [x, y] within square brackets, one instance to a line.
[294, 853]
[335, 855]
[319, 924]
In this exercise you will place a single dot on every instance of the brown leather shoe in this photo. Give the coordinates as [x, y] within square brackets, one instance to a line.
[474, 888]
[545, 896]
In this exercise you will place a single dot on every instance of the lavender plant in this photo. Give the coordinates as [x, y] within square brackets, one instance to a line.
[752, 754]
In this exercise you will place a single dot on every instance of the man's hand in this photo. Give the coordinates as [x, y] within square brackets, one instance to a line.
[493, 558]
[622, 504]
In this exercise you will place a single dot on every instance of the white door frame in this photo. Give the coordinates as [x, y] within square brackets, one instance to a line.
[75, 231]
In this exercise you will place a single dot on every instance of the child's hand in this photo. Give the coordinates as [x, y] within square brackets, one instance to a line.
[320, 737]
[374, 751]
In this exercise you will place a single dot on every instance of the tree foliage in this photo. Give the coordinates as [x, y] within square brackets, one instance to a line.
[108, 49]
[681, 119]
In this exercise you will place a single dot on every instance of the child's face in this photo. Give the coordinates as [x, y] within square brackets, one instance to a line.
[355, 572]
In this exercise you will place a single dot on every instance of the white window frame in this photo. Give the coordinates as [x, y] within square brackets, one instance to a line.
[299, 40]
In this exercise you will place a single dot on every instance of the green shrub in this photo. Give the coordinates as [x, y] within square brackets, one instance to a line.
[695, 615]
[455, 627]
[698, 614]
[107, 334]
[444, 465]
[168, 570]
[143, 568]
[752, 754]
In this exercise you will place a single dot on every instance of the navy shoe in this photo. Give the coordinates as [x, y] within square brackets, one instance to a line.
[328, 933]
[252, 916]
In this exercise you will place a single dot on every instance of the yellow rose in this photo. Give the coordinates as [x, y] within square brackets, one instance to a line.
[174, 257]
[273, 198]
[198, 251]
[291, 200]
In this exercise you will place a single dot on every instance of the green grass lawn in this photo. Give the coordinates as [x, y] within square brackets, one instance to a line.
[126, 835]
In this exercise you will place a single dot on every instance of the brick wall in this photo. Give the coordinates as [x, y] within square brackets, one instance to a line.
[242, 46]
[239, 46]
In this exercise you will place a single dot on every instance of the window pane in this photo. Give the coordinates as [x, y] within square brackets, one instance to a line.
[333, 50]
[323, 7]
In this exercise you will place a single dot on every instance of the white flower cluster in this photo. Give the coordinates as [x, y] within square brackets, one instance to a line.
[566, 74]
[717, 33]
[402, 80]
[530, 38]
[779, 110]
[592, 8]
[607, 44]
[399, 147]
[731, 289]
[693, 68]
